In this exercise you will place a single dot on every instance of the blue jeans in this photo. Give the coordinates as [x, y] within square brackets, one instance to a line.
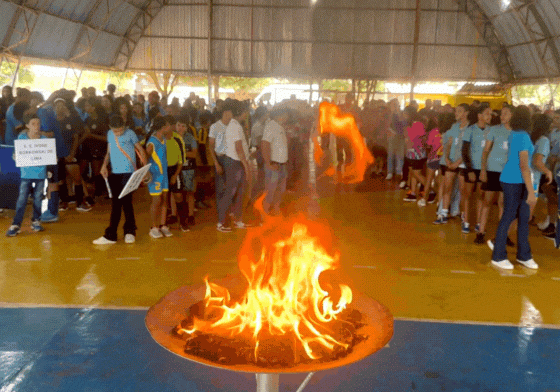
[275, 186]
[395, 154]
[515, 206]
[25, 189]
[220, 180]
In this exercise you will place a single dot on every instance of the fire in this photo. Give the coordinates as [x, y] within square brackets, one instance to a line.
[282, 262]
[332, 120]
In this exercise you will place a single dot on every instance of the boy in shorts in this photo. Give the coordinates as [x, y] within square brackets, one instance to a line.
[159, 184]
[188, 184]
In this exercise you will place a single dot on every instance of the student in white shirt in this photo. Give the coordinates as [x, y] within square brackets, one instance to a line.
[236, 168]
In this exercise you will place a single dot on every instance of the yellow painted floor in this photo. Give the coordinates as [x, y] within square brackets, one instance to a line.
[389, 250]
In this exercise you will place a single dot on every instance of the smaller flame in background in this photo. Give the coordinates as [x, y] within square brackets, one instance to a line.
[282, 262]
[333, 121]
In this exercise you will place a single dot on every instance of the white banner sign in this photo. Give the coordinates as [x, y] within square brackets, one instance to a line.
[35, 152]
[135, 180]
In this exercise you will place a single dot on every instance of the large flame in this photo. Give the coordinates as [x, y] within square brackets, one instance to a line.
[282, 262]
[332, 120]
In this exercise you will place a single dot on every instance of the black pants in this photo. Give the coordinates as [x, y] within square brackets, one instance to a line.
[117, 183]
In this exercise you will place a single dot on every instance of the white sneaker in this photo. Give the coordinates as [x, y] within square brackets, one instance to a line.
[389, 177]
[240, 225]
[402, 184]
[165, 231]
[529, 263]
[103, 241]
[223, 229]
[490, 244]
[421, 203]
[155, 233]
[129, 239]
[544, 224]
[504, 264]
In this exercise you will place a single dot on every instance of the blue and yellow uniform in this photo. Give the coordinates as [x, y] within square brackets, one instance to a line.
[158, 170]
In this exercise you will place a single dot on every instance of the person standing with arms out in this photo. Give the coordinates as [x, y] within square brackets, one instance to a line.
[518, 193]
[123, 144]
[474, 140]
[32, 181]
[452, 143]
[217, 144]
[274, 147]
[494, 158]
[236, 168]
[159, 184]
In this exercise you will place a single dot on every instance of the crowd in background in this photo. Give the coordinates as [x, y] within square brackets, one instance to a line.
[467, 159]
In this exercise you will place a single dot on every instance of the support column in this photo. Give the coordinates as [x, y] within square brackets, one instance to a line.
[16, 73]
[415, 50]
[210, 24]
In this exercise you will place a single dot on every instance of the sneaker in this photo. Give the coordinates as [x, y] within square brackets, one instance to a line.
[549, 229]
[47, 217]
[155, 233]
[185, 228]
[479, 240]
[90, 200]
[240, 225]
[550, 236]
[529, 263]
[441, 220]
[432, 198]
[402, 184]
[421, 203]
[129, 239]
[165, 231]
[223, 229]
[63, 206]
[490, 244]
[477, 228]
[103, 241]
[465, 229]
[13, 231]
[191, 220]
[200, 205]
[389, 177]
[36, 226]
[83, 207]
[410, 197]
[544, 224]
[504, 264]
[509, 242]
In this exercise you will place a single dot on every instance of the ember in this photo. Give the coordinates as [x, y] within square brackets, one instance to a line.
[286, 316]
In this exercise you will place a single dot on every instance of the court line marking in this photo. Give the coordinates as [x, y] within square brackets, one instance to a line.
[6, 305]
[463, 272]
[413, 269]
[555, 278]
[128, 258]
[513, 275]
[30, 259]
[366, 266]
[172, 259]
[467, 322]
[78, 258]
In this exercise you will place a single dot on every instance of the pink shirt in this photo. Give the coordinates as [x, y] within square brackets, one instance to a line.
[416, 135]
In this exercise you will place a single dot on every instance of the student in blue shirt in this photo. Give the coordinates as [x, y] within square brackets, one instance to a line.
[122, 147]
[494, 158]
[452, 141]
[474, 140]
[518, 193]
[547, 226]
[32, 181]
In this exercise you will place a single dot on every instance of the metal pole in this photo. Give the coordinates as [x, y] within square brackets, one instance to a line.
[16, 73]
[210, 21]
[267, 382]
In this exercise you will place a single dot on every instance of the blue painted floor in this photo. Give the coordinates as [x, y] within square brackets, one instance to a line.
[72, 350]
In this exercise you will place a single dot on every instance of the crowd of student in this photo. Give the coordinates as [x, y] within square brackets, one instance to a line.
[465, 158]
[193, 152]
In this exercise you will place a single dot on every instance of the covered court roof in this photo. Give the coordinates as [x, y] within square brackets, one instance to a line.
[510, 41]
